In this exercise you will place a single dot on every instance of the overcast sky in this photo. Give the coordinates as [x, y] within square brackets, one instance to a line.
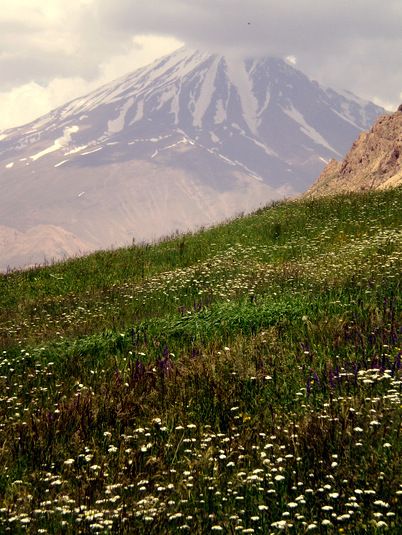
[52, 51]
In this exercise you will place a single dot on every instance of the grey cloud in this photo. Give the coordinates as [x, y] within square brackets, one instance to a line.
[351, 44]
[314, 25]
[36, 50]
[355, 45]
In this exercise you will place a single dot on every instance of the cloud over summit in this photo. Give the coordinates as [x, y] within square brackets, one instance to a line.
[352, 45]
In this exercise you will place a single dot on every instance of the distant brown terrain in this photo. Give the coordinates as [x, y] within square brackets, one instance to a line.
[41, 244]
[373, 162]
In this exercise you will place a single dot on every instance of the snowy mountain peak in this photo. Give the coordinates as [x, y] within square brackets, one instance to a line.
[204, 95]
[190, 139]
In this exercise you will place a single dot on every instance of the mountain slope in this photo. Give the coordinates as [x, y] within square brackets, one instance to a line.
[373, 162]
[191, 139]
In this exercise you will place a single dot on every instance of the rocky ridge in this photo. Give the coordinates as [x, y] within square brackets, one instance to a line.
[373, 162]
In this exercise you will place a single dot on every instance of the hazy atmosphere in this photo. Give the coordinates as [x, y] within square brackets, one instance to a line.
[200, 241]
[52, 51]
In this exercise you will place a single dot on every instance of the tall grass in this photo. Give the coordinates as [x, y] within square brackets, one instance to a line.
[244, 378]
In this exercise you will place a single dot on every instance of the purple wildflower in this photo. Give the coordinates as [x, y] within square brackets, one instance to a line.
[316, 379]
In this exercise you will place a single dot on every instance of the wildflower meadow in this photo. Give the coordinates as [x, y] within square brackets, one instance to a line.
[244, 378]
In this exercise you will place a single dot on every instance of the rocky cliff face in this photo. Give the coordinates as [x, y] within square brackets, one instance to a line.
[373, 162]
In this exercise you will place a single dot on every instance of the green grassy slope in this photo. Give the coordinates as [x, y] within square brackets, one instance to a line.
[245, 378]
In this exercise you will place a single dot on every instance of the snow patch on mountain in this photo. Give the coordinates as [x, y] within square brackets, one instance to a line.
[225, 159]
[139, 112]
[61, 163]
[58, 144]
[166, 95]
[220, 112]
[240, 79]
[92, 151]
[214, 137]
[346, 118]
[116, 125]
[265, 148]
[249, 171]
[204, 100]
[75, 150]
[307, 128]
[175, 107]
[264, 106]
